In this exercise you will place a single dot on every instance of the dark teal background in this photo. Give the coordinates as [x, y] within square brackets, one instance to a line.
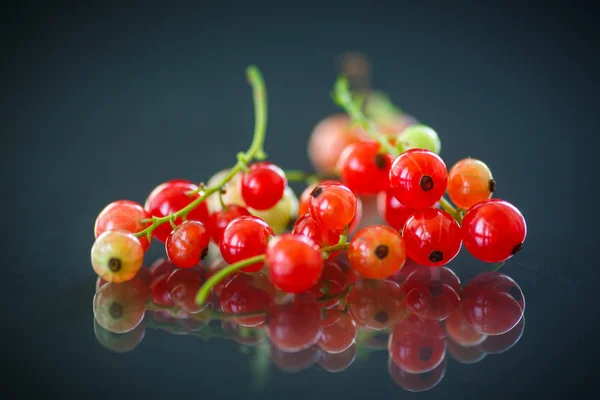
[101, 102]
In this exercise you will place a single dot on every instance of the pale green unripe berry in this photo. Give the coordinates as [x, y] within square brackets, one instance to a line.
[420, 137]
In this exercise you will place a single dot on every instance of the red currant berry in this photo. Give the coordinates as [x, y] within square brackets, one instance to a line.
[122, 215]
[461, 332]
[295, 325]
[432, 237]
[469, 182]
[304, 200]
[364, 168]
[243, 238]
[418, 178]
[376, 305]
[494, 230]
[333, 281]
[417, 382]
[247, 293]
[117, 256]
[377, 252]
[187, 245]
[220, 219]
[332, 205]
[495, 281]
[119, 308]
[339, 332]
[263, 185]
[414, 352]
[338, 362]
[170, 197]
[182, 286]
[307, 226]
[295, 263]
[392, 211]
[501, 343]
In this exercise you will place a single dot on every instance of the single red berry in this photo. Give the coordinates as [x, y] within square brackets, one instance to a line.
[220, 219]
[377, 252]
[243, 238]
[392, 211]
[432, 237]
[418, 178]
[295, 263]
[188, 244]
[295, 325]
[338, 362]
[364, 168]
[416, 382]
[333, 280]
[375, 304]
[332, 205]
[170, 197]
[123, 215]
[307, 226]
[245, 293]
[339, 332]
[263, 185]
[304, 199]
[494, 230]
[469, 182]
[182, 286]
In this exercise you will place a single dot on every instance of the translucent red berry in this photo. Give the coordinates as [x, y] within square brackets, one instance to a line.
[469, 182]
[494, 230]
[160, 291]
[375, 304]
[332, 205]
[263, 185]
[364, 168]
[117, 256]
[304, 200]
[246, 293]
[392, 211]
[491, 312]
[377, 252]
[339, 332]
[171, 197]
[295, 325]
[243, 238]
[418, 178]
[432, 237]
[295, 263]
[187, 245]
[307, 226]
[123, 215]
[219, 220]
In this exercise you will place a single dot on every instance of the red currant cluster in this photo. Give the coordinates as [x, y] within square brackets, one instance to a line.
[418, 316]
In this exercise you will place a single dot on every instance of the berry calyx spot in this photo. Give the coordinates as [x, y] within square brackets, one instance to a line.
[382, 317]
[381, 251]
[115, 310]
[492, 185]
[381, 161]
[316, 192]
[114, 264]
[426, 182]
[436, 256]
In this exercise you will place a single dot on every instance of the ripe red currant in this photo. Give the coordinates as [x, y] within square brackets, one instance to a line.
[432, 237]
[377, 252]
[219, 220]
[418, 178]
[123, 215]
[469, 182]
[187, 245]
[332, 205]
[494, 230]
[295, 325]
[339, 332]
[246, 293]
[375, 304]
[117, 256]
[295, 263]
[392, 211]
[307, 226]
[364, 168]
[170, 197]
[243, 238]
[263, 185]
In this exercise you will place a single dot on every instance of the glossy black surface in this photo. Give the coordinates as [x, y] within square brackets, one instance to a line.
[101, 103]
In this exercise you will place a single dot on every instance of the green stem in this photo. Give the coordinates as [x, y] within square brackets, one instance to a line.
[343, 98]
[301, 176]
[204, 291]
[450, 209]
[255, 151]
[336, 296]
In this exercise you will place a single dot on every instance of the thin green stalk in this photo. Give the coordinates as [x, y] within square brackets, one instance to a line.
[450, 209]
[255, 151]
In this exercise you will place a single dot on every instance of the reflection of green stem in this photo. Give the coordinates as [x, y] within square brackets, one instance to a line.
[497, 266]
[254, 152]
[260, 367]
[336, 296]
